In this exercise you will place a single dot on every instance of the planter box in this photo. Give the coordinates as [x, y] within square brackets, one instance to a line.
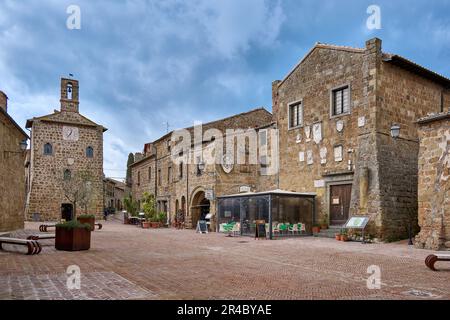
[155, 224]
[146, 225]
[90, 221]
[76, 239]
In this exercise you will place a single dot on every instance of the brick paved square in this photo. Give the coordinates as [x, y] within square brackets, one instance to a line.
[126, 262]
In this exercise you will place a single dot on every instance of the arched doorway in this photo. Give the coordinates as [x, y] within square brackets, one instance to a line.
[200, 208]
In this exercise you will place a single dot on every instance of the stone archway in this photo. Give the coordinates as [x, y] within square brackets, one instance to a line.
[200, 207]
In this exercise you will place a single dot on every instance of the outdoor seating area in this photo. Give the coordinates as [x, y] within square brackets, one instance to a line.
[285, 214]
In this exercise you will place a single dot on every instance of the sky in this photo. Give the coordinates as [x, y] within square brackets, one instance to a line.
[143, 64]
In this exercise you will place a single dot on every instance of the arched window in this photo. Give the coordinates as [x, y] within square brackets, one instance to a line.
[89, 152]
[67, 174]
[48, 149]
[69, 91]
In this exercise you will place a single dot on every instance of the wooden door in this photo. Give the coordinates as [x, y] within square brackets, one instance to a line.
[340, 203]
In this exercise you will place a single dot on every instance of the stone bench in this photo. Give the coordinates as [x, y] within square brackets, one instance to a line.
[33, 246]
[433, 258]
[41, 236]
[45, 227]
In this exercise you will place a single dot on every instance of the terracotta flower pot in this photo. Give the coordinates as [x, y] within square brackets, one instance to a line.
[89, 221]
[324, 227]
[76, 239]
[338, 237]
[316, 229]
[146, 225]
[344, 237]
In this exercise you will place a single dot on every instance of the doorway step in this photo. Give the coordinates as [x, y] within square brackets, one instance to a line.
[329, 233]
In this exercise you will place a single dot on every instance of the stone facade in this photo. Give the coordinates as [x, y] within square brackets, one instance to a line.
[181, 186]
[382, 172]
[114, 194]
[434, 182]
[64, 145]
[12, 182]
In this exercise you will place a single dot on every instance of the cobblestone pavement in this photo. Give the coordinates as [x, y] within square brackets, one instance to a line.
[126, 262]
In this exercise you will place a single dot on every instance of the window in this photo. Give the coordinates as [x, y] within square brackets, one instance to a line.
[159, 177]
[48, 149]
[295, 115]
[340, 101]
[89, 152]
[149, 173]
[180, 170]
[263, 138]
[264, 164]
[69, 91]
[67, 175]
[139, 178]
[169, 174]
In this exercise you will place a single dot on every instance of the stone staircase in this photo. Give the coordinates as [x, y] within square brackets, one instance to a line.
[328, 233]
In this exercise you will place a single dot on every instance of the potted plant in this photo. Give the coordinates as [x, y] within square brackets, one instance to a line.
[87, 219]
[324, 224]
[316, 228]
[337, 236]
[146, 224]
[344, 236]
[73, 236]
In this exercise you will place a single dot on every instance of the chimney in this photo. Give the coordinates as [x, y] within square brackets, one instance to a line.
[69, 95]
[275, 110]
[374, 46]
[3, 101]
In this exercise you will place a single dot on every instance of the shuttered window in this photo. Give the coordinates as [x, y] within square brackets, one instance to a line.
[341, 101]
[295, 115]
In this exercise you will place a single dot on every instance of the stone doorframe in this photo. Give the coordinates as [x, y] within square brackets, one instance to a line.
[335, 180]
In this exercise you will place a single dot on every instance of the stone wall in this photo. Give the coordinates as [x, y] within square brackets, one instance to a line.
[382, 170]
[434, 183]
[47, 171]
[12, 182]
[402, 98]
[326, 68]
[190, 185]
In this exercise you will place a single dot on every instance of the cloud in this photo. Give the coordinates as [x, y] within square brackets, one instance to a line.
[142, 63]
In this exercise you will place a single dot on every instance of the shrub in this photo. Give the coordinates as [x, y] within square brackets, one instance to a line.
[86, 216]
[73, 224]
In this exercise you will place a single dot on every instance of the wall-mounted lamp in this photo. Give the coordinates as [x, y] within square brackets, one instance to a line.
[23, 147]
[395, 131]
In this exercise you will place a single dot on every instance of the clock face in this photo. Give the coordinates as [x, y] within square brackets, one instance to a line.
[227, 163]
[70, 133]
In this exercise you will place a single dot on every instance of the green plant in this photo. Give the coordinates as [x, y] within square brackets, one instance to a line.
[131, 206]
[162, 217]
[149, 206]
[73, 224]
[86, 216]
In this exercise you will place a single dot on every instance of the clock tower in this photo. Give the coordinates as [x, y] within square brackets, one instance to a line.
[69, 95]
[65, 145]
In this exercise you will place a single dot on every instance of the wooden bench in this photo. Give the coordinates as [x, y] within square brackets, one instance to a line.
[33, 246]
[433, 258]
[42, 236]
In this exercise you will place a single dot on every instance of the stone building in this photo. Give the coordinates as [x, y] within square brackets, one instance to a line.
[434, 182]
[192, 186]
[12, 183]
[66, 150]
[335, 111]
[114, 194]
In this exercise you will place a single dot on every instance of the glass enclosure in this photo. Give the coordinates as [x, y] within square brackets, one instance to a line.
[284, 214]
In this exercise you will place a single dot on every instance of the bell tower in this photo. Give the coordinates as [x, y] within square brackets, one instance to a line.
[69, 95]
